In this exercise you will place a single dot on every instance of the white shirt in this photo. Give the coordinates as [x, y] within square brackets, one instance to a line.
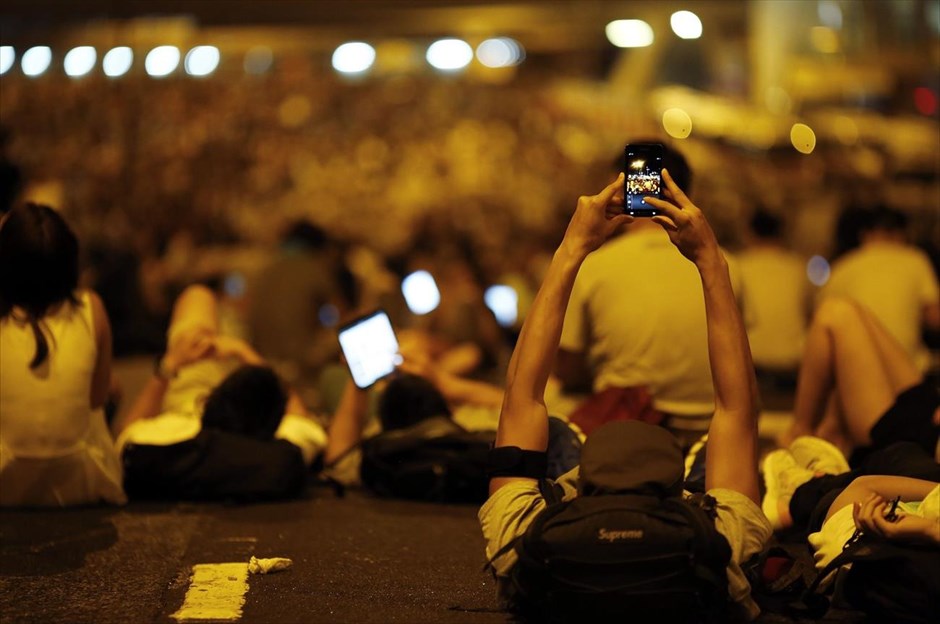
[638, 313]
[894, 281]
[171, 428]
[776, 297]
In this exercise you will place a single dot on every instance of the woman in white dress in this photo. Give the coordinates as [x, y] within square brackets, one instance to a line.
[55, 369]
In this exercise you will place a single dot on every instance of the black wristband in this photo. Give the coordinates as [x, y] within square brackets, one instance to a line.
[512, 461]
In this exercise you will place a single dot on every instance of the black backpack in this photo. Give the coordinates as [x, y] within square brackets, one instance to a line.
[623, 558]
[434, 460]
[888, 581]
[215, 465]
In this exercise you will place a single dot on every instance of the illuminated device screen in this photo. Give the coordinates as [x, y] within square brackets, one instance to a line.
[643, 167]
[370, 348]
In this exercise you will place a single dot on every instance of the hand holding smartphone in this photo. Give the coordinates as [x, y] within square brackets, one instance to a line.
[370, 348]
[642, 168]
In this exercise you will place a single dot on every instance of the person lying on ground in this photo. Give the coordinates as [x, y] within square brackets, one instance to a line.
[214, 421]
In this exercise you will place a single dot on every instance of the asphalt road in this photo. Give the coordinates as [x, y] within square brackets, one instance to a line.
[354, 560]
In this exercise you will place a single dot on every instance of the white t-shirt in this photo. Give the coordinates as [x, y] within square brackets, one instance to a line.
[637, 312]
[895, 282]
[776, 297]
[170, 428]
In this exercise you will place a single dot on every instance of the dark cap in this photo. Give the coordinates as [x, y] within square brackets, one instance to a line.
[631, 457]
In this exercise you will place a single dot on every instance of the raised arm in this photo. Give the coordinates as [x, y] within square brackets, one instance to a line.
[523, 419]
[346, 426]
[731, 461]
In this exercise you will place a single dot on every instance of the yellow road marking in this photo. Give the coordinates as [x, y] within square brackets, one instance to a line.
[217, 592]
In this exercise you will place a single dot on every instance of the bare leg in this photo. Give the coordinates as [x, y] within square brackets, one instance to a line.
[832, 427]
[196, 309]
[841, 352]
[900, 369]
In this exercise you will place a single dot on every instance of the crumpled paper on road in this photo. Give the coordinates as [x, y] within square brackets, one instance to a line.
[266, 566]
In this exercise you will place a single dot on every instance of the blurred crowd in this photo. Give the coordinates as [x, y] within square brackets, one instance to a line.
[171, 182]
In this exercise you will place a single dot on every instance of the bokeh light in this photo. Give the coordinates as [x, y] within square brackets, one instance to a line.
[686, 25]
[79, 61]
[503, 302]
[234, 285]
[258, 60]
[36, 60]
[7, 58]
[677, 123]
[328, 314]
[632, 33]
[830, 14]
[162, 61]
[421, 292]
[353, 58]
[803, 138]
[500, 52]
[117, 61]
[202, 60]
[449, 54]
[817, 270]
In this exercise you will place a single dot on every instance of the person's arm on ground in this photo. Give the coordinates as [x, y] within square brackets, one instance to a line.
[731, 461]
[345, 430]
[882, 486]
[523, 420]
[183, 352]
[870, 517]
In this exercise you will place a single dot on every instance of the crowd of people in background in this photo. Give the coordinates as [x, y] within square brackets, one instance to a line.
[230, 238]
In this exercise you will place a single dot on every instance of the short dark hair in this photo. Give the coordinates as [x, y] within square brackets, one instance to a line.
[410, 399]
[673, 161]
[38, 266]
[250, 401]
[765, 224]
[883, 217]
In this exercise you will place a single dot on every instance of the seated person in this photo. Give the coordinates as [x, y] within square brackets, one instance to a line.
[888, 418]
[55, 370]
[859, 389]
[214, 422]
[731, 475]
[629, 302]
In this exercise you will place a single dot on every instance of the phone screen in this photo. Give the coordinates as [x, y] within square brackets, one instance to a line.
[370, 348]
[643, 166]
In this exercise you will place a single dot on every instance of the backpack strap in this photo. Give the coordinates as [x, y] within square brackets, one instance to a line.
[814, 605]
[553, 495]
[711, 548]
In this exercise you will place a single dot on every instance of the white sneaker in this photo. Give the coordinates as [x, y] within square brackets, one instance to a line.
[782, 475]
[818, 455]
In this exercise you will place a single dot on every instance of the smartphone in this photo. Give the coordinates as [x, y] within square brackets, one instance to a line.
[370, 347]
[642, 172]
